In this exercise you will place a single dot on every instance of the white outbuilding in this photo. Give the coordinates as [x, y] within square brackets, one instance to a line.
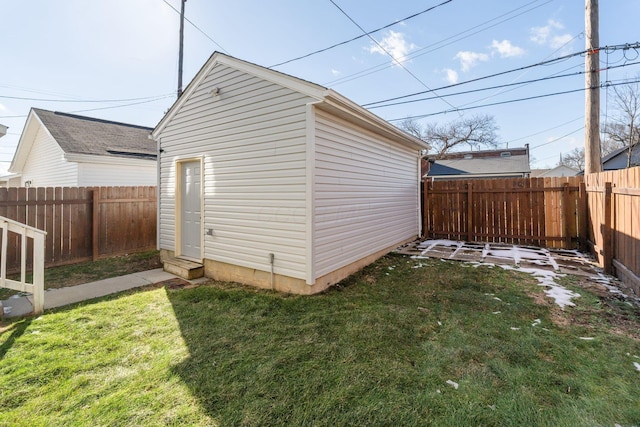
[273, 181]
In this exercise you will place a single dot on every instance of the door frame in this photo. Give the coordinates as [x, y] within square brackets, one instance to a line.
[178, 212]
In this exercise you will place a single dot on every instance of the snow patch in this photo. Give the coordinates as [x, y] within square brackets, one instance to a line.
[515, 329]
[453, 384]
[546, 278]
[536, 322]
[637, 365]
[586, 338]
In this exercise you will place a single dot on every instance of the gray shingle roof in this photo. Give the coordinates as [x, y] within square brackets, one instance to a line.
[514, 164]
[87, 135]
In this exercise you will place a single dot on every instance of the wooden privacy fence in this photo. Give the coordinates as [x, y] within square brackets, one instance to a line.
[614, 222]
[82, 223]
[535, 211]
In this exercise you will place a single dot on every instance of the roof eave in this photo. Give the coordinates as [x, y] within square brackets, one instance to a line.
[335, 100]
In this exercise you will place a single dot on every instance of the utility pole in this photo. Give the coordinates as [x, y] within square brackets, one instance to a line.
[592, 161]
[180, 54]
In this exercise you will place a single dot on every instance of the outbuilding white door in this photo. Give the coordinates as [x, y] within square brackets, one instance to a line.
[190, 210]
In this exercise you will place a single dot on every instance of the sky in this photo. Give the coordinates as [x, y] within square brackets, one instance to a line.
[118, 59]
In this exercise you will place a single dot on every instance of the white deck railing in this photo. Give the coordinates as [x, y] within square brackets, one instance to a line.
[36, 288]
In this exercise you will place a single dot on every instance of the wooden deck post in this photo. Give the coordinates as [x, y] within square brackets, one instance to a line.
[38, 273]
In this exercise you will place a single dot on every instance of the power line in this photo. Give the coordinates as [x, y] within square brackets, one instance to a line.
[362, 35]
[538, 64]
[399, 63]
[557, 139]
[511, 101]
[546, 130]
[82, 101]
[552, 77]
[101, 108]
[440, 44]
[196, 27]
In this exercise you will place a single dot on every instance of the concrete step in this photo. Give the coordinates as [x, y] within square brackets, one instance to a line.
[188, 270]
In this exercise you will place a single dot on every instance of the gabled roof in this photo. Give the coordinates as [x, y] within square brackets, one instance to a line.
[488, 163]
[80, 135]
[618, 159]
[560, 170]
[328, 99]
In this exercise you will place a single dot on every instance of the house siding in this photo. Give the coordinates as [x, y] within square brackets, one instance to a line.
[251, 140]
[46, 166]
[366, 191]
[98, 174]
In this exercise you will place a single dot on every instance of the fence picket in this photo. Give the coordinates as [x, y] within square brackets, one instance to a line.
[126, 222]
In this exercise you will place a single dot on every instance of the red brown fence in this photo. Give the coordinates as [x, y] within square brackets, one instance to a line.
[536, 211]
[82, 223]
[614, 222]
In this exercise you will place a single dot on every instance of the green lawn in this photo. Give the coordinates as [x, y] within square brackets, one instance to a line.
[376, 350]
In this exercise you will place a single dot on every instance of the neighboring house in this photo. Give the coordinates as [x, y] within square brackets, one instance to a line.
[505, 163]
[619, 158]
[558, 171]
[276, 182]
[10, 180]
[67, 150]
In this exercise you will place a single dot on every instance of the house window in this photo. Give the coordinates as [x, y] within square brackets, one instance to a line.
[505, 154]
[468, 156]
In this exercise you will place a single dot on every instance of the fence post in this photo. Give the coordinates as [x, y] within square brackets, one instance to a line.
[607, 231]
[566, 212]
[583, 217]
[425, 208]
[469, 212]
[95, 222]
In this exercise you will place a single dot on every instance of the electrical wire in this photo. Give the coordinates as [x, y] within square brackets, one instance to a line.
[557, 139]
[362, 35]
[399, 63]
[100, 108]
[84, 100]
[196, 27]
[546, 62]
[526, 82]
[440, 44]
[511, 101]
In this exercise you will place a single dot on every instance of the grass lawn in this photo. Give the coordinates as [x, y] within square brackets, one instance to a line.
[85, 272]
[376, 350]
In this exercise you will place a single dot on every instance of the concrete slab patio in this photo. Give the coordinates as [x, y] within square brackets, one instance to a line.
[18, 306]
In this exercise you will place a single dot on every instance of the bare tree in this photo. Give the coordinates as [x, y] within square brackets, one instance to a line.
[574, 159]
[624, 128]
[474, 132]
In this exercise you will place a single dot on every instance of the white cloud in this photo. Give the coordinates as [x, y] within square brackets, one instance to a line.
[550, 35]
[3, 108]
[451, 76]
[395, 44]
[470, 59]
[559, 41]
[505, 49]
[335, 72]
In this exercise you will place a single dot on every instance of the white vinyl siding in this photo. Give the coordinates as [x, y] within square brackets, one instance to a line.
[366, 193]
[98, 174]
[251, 139]
[46, 165]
